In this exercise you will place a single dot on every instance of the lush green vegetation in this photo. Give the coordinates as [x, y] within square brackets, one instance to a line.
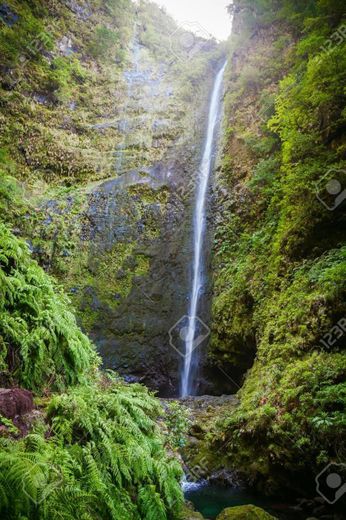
[94, 451]
[92, 448]
[75, 84]
[58, 66]
[98, 454]
[40, 343]
[178, 422]
[279, 252]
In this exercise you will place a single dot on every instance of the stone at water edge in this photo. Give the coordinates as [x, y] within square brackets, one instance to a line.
[245, 513]
[190, 514]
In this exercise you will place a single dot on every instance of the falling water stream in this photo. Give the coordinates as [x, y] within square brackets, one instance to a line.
[194, 335]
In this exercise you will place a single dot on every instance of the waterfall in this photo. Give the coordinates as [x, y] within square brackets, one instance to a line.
[194, 335]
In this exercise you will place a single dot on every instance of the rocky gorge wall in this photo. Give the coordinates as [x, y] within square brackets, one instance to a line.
[101, 125]
[279, 250]
[103, 136]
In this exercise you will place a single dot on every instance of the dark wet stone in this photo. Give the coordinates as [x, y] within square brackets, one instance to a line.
[7, 16]
[41, 99]
[132, 379]
[82, 12]
[65, 47]
[15, 401]
[48, 221]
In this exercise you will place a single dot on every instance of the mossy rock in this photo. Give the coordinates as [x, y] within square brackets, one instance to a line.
[189, 514]
[244, 513]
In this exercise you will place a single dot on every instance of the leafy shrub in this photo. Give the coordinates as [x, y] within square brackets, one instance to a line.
[104, 42]
[264, 172]
[177, 421]
[27, 38]
[40, 342]
[62, 77]
[100, 455]
[250, 77]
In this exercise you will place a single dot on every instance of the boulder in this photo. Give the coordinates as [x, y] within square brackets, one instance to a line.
[244, 513]
[15, 402]
[190, 514]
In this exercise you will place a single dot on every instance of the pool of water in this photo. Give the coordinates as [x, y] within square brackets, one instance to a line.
[210, 500]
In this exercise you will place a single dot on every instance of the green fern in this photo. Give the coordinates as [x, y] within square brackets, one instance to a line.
[40, 343]
[151, 505]
[104, 458]
[99, 455]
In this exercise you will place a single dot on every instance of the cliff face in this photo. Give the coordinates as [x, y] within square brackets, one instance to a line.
[102, 117]
[279, 254]
[103, 114]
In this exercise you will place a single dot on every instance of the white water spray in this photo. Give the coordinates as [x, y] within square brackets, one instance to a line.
[199, 224]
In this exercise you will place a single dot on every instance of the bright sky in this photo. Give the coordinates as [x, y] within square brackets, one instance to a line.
[211, 15]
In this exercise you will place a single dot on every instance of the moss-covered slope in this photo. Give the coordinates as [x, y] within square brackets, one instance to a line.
[279, 254]
[102, 121]
[40, 342]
